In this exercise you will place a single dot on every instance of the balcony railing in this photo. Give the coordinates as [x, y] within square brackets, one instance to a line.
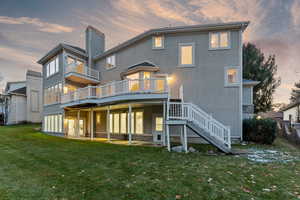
[136, 86]
[83, 70]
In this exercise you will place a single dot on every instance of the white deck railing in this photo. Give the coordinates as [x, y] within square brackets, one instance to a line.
[154, 85]
[191, 112]
[83, 70]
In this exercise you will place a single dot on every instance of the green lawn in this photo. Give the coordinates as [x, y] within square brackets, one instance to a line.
[37, 166]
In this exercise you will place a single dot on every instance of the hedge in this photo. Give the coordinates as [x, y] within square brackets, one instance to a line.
[261, 131]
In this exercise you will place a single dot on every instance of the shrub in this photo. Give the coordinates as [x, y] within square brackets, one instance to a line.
[259, 130]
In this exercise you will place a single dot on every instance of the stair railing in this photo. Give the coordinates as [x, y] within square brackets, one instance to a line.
[191, 112]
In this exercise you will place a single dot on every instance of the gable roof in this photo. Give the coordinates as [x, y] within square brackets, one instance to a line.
[145, 63]
[9, 84]
[19, 91]
[203, 27]
[58, 48]
[142, 66]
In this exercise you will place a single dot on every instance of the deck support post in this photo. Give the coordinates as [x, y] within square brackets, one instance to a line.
[185, 146]
[77, 124]
[164, 124]
[92, 124]
[129, 124]
[168, 127]
[168, 137]
[108, 123]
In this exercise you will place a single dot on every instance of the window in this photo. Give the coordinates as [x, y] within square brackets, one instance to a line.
[186, 54]
[158, 42]
[116, 122]
[111, 123]
[134, 84]
[158, 124]
[52, 95]
[231, 76]
[219, 40]
[139, 122]
[98, 118]
[123, 123]
[34, 101]
[110, 61]
[53, 123]
[132, 122]
[52, 67]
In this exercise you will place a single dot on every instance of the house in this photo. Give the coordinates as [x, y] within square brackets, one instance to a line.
[23, 100]
[291, 112]
[167, 84]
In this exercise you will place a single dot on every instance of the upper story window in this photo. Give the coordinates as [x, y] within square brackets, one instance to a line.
[52, 67]
[111, 61]
[219, 40]
[73, 61]
[52, 94]
[186, 54]
[158, 42]
[231, 76]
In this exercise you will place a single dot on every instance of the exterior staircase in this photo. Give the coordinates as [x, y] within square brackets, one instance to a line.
[201, 123]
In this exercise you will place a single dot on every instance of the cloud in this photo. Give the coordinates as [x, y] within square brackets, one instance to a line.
[19, 56]
[169, 10]
[295, 13]
[41, 25]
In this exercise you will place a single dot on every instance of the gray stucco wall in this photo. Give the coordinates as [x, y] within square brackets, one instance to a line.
[34, 84]
[203, 84]
[50, 81]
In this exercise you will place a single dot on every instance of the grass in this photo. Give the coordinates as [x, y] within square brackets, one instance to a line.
[38, 166]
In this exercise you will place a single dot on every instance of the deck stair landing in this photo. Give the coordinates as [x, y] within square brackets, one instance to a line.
[203, 124]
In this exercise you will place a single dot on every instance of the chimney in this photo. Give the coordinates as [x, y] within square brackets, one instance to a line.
[94, 43]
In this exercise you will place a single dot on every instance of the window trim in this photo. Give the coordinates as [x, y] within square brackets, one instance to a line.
[193, 54]
[237, 84]
[106, 62]
[219, 35]
[162, 39]
[38, 101]
[48, 68]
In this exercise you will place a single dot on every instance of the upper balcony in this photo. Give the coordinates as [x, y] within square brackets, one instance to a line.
[125, 90]
[82, 74]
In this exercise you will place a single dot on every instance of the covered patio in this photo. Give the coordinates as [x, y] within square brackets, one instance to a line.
[128, 122]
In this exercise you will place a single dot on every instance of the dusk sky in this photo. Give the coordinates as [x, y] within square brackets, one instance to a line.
[30, 28]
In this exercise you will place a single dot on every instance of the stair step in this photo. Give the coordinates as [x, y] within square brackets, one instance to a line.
[206, 136]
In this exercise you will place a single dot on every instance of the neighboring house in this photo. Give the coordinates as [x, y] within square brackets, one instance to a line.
[162, 85]
[248, 106]
[277, 115]
[291, 112]
[23, 100]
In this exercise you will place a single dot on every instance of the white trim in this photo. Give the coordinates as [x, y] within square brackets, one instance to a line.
[238, 83]
[241, 81]
[115, 59]
[162, 41]
[193, 54]
[47, 63]
[219, 33]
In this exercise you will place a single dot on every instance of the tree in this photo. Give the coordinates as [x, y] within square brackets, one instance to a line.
[295, 95]
[257, 67]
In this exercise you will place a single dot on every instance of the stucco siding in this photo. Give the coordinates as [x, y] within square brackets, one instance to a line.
[34, 106]
[16, 110]
[203, 84]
